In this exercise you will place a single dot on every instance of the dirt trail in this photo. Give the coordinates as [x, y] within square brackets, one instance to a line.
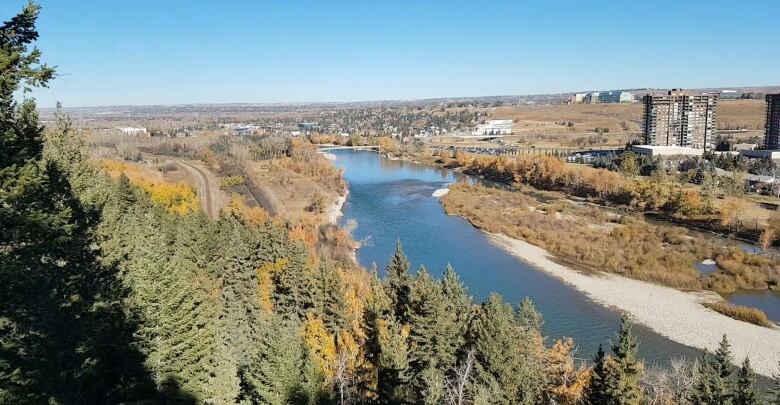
[207, 187]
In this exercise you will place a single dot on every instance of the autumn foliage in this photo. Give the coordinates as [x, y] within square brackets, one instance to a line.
[305, 160]
[175, 197]
[619, 244]
[252, 215]
[551, 173]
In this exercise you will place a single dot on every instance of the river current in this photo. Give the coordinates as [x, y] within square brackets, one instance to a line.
[393, 200]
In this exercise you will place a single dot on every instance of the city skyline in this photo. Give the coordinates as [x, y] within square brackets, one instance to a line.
[178, 53]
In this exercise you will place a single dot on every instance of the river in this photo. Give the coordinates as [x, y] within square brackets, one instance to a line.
[393, 199]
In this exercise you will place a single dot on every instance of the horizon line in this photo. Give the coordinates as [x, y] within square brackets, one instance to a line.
[397, 100]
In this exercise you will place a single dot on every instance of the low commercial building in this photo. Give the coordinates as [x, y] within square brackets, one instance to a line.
[242, 129]
[493, 127]
[615, 97]
[600, 97]
[133, 131]
[760, 154]
[308, 126]
[744, 146]
[577, 98]
[666, 150]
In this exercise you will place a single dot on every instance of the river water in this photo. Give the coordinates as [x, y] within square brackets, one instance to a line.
[393, 199]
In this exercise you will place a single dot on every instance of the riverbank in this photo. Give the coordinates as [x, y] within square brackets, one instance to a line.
[677, 315]
[333, 213]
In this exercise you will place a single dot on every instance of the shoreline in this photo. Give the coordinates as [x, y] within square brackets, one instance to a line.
[674, 314]
[680, 317]
[333, 213]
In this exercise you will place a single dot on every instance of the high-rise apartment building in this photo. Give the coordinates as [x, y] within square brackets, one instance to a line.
[772, 128]
[680, 119]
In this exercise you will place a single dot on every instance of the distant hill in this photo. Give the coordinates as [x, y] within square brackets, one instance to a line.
[177, 109]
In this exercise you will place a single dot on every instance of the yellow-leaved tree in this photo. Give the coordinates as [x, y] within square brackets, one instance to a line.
[265, 285]
[177, 198]
[320, 344]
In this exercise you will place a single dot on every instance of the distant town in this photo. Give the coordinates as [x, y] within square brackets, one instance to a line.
[672, 122]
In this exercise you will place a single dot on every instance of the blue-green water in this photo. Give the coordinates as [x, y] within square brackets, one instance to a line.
[765, 300]
[393, 199]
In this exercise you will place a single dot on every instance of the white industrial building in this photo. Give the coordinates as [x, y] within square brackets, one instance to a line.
[598, 97]
[664, 150]
[493, 127]
[132, 131]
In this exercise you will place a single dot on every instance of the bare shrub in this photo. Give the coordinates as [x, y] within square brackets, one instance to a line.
[316, 203]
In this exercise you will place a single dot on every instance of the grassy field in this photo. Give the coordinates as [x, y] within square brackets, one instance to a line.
[615, 123]
[555, 119]
[741, 114]
[293, 190]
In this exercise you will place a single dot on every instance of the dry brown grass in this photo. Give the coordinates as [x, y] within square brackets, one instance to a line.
[740, 269]
[741, 114]
[738, 312]
[585, 117]
[661, 254]
[598, 238]
[295, 180]
[548, 125]
[307, 162]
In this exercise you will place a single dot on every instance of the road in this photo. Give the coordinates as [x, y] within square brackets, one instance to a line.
[207, 187]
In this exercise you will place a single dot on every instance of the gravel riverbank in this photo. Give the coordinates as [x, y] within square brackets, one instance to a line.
[675, 314]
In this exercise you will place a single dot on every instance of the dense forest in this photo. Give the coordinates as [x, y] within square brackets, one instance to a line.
[110, 297]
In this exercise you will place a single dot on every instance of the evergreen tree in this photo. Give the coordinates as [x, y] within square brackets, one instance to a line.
[529, 318]
[715, 373]
[377, 310]
[436, 333]
[328, 296]
[615, 380]
[507, 358]
[702, 391]
[597, 392]
[274, 374]
[458, 306]
[393, 364]
[723, 366]
[626, 389]
[386, 347]
[187, 335]
[294, 283]
[65, 334]
[398, 283]
[745, 389]
[426, 303]
[774, 391]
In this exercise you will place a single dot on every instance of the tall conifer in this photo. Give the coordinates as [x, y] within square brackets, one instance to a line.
[398, 283]
[745, 388]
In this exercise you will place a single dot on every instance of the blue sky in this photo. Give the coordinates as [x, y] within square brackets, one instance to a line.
[173, 51]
